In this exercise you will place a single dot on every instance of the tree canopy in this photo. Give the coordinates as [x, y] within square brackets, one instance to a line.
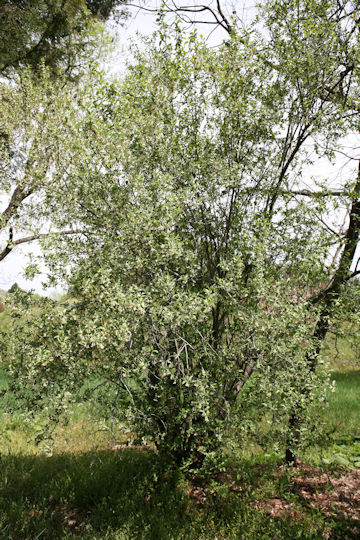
[46, 49]
[203, 274]
[53, 32]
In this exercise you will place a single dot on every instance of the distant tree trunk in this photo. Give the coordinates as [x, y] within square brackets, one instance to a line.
[326, 299]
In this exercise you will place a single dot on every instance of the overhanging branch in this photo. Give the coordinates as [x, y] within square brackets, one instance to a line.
[19, 195]
[217, 14]
[26, 239]
[317, 194]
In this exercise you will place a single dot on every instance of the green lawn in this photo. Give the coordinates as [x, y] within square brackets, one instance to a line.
[86, 490]
[124, 495]
[344, 403]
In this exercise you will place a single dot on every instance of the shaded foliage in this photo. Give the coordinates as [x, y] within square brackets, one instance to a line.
[51, 32]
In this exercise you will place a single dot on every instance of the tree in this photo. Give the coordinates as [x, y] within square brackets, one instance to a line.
[36, 113]
[54, 32]
[203, 280]
[186, 286]
[45, 49]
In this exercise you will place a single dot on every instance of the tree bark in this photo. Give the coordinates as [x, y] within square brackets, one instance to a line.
[326, 300]
[12, 244]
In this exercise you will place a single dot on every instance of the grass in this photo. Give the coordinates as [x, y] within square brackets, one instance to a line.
[86, 490]
[96, 494]
[113, 495]
[342, 351]
[344, 403]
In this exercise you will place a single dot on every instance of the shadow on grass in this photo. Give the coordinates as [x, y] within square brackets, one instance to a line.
[88, 495]
[125, 495]
[349, 378]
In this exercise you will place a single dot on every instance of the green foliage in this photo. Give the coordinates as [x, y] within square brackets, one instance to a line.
[35, 127]
[54, 33]
[186, 278]
[194, 275]
[45, 51]
[345, 452]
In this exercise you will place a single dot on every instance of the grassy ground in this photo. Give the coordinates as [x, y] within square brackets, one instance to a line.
[87, 490]
[123, 495]
[344, 404]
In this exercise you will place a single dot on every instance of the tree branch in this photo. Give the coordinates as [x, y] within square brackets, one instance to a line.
[317, 194]
[19, 195]
[12, 244]
[30, 52]
[219, 18]
[248, 371]
[342, 275]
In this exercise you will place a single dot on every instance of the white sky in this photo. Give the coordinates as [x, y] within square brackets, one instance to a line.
[11, 268]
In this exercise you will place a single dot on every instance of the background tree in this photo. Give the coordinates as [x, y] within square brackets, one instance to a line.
[55, 33]
[34, 124]
[45, 49]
